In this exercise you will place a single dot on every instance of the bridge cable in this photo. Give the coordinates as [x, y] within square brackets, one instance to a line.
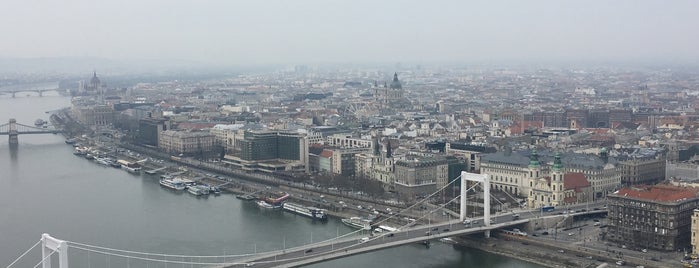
[162, 255]
[25, 253]
[87, 247]
[106, 253]
[44, 259]
[376, 237]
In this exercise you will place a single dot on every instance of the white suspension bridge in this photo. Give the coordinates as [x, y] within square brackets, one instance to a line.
[345, 245]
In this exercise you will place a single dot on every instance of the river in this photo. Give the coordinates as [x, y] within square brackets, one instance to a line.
[46, 189]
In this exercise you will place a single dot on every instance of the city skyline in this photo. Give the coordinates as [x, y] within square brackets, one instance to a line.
[311, 32]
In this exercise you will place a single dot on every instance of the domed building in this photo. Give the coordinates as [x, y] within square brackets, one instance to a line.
[95, 82]
[390, 96]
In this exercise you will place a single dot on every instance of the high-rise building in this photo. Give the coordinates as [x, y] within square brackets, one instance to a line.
[149, 130]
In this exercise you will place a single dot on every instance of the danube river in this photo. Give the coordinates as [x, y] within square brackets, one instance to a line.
[46, 189]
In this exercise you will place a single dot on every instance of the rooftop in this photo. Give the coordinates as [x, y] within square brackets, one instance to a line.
[661, 193]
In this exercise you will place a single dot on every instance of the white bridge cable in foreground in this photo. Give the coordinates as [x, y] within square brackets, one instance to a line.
[106, 253]
[110, 251]
[25, 253]
[73, 244]
[44, 259]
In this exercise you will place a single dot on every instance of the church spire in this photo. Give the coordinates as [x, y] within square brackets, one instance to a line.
[389, 152]
[557, 164]
[534, 159]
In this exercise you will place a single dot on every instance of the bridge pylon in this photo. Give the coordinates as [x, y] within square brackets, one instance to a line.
[12, 133]
[49, 245]
[485, 181]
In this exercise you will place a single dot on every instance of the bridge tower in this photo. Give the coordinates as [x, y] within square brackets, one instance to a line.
[14, 140]
[48, 246]
[485, 182]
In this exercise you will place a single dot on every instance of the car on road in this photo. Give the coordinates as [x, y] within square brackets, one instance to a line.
[445, 230]
[308, 250]
[435, 229]
[390, 235]
[571, 234]
[467, 222]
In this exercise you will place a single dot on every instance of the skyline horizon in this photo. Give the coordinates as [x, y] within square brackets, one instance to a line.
[220, 32]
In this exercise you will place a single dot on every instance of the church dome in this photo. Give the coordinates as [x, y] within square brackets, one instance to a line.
[396, 84]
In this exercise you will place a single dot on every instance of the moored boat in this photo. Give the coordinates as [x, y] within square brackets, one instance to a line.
[198, 190]
[265, 205]
[175, 184]
[358, 223]
[132, 167]
[311, 212]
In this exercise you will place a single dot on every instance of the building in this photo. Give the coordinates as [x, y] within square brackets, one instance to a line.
[149, 130]
[644, 166]
[228, 135]
[270, 151]
[94, 115]
[417, 176]
[657, 217]
[387, 95]
[642, 170]
[187, 143]
[559, 189]
[343, 160]
[268, 145]
[470, 152]
[346, 141]
[695, 229]
[516, 172]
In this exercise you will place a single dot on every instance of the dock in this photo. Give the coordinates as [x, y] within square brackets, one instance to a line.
[155, 171]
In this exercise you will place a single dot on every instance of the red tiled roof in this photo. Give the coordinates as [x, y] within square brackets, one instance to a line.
[662, 193]
[575, 181]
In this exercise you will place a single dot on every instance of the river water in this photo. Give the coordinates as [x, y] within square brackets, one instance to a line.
[46, 189]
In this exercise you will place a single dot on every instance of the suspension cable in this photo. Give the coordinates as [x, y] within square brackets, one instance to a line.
[44, 259]
[106, 250]
[150, 259]
[164, 255]
[25, 253]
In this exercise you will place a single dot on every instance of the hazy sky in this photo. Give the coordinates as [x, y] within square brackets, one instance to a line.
[307, 31]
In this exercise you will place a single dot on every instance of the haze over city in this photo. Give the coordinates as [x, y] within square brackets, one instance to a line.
[301, 32]
[344, 134]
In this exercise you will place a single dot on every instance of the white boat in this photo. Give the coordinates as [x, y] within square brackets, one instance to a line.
[311, 212]
[175, 184]
[265, 205]
[131, 167]
[357, 222]
[198, 190]
[103, 160]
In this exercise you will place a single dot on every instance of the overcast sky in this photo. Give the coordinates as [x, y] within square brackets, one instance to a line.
[308, 31]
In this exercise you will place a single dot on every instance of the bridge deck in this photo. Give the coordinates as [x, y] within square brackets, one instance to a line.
[355, 245]
[330, 250]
